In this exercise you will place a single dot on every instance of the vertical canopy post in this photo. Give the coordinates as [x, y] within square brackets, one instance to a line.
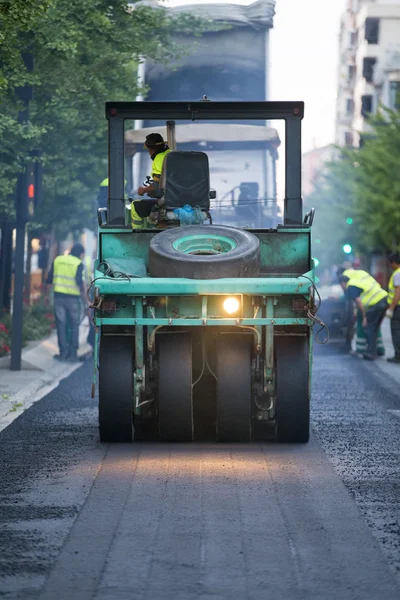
[116, 192]
[293, 204]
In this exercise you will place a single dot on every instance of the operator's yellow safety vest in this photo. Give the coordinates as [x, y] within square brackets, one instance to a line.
[158, 165]
[64, 275]
[392, 288]
[372, 292]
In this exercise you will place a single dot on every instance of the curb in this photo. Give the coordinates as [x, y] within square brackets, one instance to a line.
[12, 408]
[40, 374]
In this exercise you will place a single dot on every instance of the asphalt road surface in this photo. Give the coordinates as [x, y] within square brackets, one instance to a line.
[80, 520]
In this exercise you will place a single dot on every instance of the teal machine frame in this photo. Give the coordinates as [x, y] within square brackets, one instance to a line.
[280, 300]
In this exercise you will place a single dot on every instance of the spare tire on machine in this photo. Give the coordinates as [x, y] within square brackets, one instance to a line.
[204, 252]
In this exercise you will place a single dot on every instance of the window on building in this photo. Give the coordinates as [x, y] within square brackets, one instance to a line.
[372, 30]
[366, 105]
[351, 74]
[394, 95]
[349, 106]
[348, 138]
[368, 68]
[353, 39]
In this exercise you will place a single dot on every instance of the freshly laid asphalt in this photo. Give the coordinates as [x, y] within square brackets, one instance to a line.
[83, 520]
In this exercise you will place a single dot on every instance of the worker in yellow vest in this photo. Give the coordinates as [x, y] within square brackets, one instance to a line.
[88, 278]
[361, 338]
[393, 310]
[66, 276]
[158, 150]
[371, 300]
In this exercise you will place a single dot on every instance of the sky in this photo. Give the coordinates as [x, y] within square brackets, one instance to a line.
[303, 61]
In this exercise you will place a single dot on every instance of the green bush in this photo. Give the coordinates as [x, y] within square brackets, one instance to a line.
[38, 324]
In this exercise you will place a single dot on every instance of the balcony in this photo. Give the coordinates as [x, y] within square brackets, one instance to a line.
[344, 119]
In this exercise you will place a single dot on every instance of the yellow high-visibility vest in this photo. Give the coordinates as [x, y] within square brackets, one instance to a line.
[372, 292]
[158, 164]
[64, 275]
[355, 273]
[392, 287]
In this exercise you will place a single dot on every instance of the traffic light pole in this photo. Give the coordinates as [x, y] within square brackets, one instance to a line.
[5, 267]
[18, 299]
[17, 313]
[21, 218]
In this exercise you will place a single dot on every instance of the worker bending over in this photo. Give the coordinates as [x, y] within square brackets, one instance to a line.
[370, 299]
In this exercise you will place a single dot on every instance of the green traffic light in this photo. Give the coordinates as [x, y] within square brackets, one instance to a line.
[349, 220]
[316, 262]
[347, 248]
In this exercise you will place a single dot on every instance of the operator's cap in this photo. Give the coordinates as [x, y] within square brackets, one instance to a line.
[154, 140]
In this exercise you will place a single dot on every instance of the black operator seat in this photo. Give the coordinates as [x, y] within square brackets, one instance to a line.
[185, 179]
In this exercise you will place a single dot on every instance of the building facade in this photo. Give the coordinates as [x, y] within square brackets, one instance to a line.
[369, 66]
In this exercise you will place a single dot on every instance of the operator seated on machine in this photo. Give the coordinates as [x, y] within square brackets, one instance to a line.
[158, 150]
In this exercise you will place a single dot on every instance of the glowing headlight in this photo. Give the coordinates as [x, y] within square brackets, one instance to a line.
[231, 305]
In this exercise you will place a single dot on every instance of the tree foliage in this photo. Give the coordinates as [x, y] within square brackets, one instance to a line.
[333, 200]
[362, 185]
[85, 53]
[376, 177]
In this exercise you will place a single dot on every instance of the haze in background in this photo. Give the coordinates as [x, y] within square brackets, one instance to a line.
[303, 60]
[303, 65]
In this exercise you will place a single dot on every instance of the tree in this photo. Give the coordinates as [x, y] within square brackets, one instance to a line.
[333, 200]
[358, 197]
[85, 52]
[376, 179]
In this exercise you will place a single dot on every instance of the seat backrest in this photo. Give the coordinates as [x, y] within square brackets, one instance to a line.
[185, 179]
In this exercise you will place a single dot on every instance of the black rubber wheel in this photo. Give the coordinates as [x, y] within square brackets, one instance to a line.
[204, 252]
[116, 388]
[175, 399]
[292, 389]
[234, 388]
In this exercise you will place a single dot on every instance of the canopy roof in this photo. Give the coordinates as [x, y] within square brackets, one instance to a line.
[259, 14]
[206, 132]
